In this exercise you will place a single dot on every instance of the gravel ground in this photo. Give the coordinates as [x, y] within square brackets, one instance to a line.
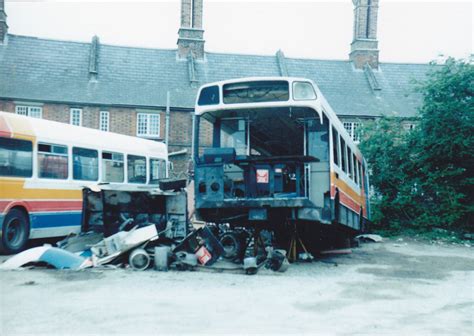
[402, 288]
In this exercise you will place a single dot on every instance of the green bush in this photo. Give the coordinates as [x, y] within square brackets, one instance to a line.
[423, 178]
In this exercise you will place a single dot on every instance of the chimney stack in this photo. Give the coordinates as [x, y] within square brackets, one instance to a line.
[364, 44]
[3, 23]
[190, 40]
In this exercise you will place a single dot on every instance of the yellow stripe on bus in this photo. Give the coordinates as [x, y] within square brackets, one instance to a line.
[345, 188]
[14, 189]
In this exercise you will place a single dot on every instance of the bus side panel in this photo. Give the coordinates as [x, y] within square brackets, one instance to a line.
[52, 212]
[54, 224]
[350, 202]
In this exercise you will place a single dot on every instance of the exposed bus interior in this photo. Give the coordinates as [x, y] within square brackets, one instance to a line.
[267, 153]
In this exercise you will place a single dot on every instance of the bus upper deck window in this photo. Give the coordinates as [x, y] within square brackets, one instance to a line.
[343, 155]
[136, 169]
[16, 157]
[256, 92]
[209, 96]
[303, 91]
[52, 161]
[85, 164]
[112, 167]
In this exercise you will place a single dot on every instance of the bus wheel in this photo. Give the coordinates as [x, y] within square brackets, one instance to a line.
[15, 232]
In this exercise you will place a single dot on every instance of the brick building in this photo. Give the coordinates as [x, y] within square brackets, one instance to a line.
[124, 89]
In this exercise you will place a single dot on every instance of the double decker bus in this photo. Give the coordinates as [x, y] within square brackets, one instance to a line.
[269, 152]
[45, 164]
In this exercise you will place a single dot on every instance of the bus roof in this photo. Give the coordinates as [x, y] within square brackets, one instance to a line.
[202, 109]
[18, 126]
[256, 79]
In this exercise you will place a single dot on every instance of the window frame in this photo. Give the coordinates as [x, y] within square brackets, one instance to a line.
[335, 147]
[148, 134]
[102, 165]
[38, 152]
[350, 170]
[29, 109]
[73, 161]
[356, 169]
[352, 131]
[30, 161]
[150, 170]
[343, 148]
[128, 170]
[107, 121]
[71, 116]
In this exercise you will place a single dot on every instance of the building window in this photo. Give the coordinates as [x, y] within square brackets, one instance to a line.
[351, 128]
[104, 121]
[148, 125]
[76, 117]
[30, 111]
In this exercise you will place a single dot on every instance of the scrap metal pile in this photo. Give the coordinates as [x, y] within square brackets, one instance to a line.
[142, 229]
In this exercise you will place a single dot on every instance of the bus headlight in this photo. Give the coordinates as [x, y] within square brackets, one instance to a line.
[215, 187]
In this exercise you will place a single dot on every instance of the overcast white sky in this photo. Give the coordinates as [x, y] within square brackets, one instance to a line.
[408, 31]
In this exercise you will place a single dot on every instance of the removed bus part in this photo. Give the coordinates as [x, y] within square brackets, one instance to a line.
[124, 241]
[56, 257]
[113, 208]
[131, 217]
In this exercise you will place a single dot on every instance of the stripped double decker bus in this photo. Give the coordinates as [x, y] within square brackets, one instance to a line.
[44, 166]
[269, 152]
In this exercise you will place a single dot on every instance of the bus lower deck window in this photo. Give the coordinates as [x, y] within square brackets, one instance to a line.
[86, 164]
[136, 169]
[157, 170]
[112, 167]
[52, 161]
[16, 157]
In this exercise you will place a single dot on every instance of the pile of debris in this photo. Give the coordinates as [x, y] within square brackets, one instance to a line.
[140, 229]
[142, 248]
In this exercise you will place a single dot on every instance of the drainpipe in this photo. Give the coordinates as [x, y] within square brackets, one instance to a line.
[167, 125]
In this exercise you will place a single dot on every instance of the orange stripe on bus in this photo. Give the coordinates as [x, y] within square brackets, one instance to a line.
[351, 197]
[14, 189]
[341, 185]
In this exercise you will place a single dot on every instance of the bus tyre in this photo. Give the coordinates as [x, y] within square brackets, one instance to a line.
[15, 232]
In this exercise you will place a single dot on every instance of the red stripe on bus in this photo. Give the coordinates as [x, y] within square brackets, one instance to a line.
[349, 202]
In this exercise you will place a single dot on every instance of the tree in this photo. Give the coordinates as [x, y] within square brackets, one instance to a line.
[424, 177]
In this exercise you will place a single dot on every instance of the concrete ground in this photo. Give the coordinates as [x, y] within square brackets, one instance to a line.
[389, 288]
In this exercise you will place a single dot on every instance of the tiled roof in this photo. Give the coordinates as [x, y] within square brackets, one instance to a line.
[51, 70]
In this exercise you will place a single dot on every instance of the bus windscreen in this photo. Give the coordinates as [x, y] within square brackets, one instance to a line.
[256, 92]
